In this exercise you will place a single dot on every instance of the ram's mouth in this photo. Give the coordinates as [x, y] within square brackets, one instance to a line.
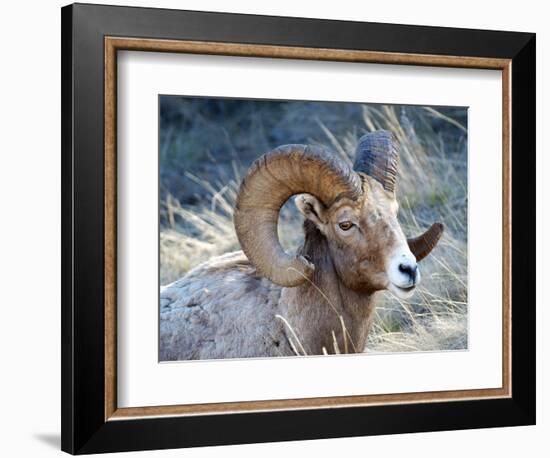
[402, 292]
[410, 288]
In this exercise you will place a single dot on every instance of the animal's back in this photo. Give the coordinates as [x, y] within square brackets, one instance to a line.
[221, 309]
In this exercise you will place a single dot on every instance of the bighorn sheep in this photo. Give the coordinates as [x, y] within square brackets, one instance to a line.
[263, 301]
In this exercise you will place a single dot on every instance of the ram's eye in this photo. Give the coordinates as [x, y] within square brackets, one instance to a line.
[345, 225]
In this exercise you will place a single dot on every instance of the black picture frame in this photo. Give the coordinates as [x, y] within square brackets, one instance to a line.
[84, 428]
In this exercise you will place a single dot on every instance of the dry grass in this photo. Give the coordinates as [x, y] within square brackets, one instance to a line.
[432, 187]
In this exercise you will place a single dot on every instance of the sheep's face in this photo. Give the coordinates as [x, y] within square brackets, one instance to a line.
[366, 242]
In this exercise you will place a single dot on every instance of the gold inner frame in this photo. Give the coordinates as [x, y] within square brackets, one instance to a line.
[112, 45]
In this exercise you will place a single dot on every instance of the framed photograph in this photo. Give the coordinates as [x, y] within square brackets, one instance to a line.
[284, 228]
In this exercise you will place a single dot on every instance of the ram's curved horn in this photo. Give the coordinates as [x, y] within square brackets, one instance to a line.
[377, 156]
[269, 183]
[422, 245]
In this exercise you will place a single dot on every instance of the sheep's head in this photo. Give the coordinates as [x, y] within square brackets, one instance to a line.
[355, 209]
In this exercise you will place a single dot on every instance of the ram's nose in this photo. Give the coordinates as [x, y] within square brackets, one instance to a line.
[403, 270]
[409, 269]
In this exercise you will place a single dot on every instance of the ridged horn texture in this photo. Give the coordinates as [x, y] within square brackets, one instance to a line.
[269, 183]
[422, 245]
[377, 156]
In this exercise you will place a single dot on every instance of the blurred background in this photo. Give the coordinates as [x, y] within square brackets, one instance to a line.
[207, 144]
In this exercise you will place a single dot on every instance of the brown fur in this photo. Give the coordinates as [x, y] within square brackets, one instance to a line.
[361, 256]
[349, 270]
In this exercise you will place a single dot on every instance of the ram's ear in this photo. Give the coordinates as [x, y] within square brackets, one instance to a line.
[312, 209]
